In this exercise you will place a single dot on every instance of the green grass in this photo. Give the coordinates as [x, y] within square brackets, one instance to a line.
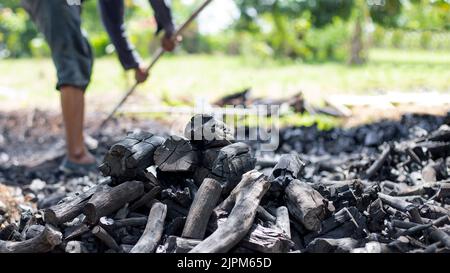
[210, 77]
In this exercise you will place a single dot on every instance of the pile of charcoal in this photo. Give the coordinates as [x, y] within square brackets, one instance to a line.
[215, 195]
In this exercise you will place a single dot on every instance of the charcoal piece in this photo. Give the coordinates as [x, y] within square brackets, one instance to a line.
[306, 205]
[106, 238]
[176, 244]
[176, 154]
[71, 207]
[205, 131]
[201, 209]
[287, 169]
[231, 163]
[241, 207]
[267, 240]
[130, 157]
[153, 230]
[105, 202]
[327, 245]
[44, 242]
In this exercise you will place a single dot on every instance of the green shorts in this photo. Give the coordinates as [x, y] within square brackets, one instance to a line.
[61, 25]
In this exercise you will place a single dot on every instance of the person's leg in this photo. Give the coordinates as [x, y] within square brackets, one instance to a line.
[71, 53]
[72, 105]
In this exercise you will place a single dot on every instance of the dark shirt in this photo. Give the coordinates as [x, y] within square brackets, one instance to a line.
[112, 13]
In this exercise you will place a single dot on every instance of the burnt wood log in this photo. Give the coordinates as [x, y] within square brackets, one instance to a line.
[75, 231]
[241, 204]
[232, 162]
[153, 230]
[176, 154]
[71, 207]
[432, 211]
[122, 212]
[376, 216]
[201, 209]
[282, 220]
[105, 202]
[175, 227]
[434, 171]
[328, 245]
[376, 166]
[264, 215]
[44, 242]
[287, 169]
[106, 238]
[76, 247]
[401, 205]
[267, 240]
[130, 157]
[373, 247]
[200, 174]
[205, 131]
[347, 222]
[180, 245]
[209, 156]
[440, 236]
[145, 198]
[33, 231]
[306, 205]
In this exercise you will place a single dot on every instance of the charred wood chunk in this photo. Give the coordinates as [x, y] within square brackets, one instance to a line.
[33, 231]
[175, 227]
[73, 232]
[176, 154]
[130, 156]
[373, 247]
[434, 171]
[200, 174]
[174, 209]
[264, 215]
[267, 240]
[180, 195]
[145, 198]
[205, 132]
[402, 205]
[376, 216]
[328, 245]
[241, 204]
[282, 220]
[307, 205]
[153, 230]
[108, 201]
[205, 201]
[376, 166]
[432, 211]
[8, 232]
[106, 238]
[176, 244]
[287, 169]
[76, 247]
[231, 163]
[44, 242]
[435, 149]
[439, 235]
[71, 207]
[209, 156]
[347, 222]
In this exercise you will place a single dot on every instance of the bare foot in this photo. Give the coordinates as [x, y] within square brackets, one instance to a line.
[83, 158]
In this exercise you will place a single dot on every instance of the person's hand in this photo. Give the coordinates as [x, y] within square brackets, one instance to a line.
[169, 42]
[140, 74]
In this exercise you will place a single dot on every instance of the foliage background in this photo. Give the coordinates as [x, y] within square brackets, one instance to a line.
[305, 30]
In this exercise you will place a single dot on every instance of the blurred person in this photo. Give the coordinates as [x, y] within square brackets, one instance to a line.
[60, 23]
